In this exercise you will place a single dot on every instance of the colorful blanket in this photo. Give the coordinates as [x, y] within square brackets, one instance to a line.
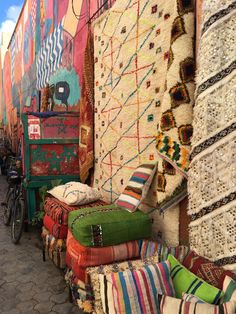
[59, 211]
[212, 175]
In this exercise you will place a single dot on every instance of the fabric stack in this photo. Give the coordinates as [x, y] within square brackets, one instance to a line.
[102, 235]
[171, 278]
[57, 209]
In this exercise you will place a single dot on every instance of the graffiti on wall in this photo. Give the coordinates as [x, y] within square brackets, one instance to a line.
[46, 57]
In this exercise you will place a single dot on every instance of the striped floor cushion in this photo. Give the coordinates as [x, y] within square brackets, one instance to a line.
[94, 272]
[55, 248]
[59, 211]
[171, 305]
[150, 248]
[55, 229]
[136, 291]
[229, 288]
[89, 256]
[137, 187]
[186, 282]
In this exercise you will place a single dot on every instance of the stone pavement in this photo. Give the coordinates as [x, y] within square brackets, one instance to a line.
[27, 284]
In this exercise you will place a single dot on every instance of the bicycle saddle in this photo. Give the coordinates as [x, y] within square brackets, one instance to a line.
[12, 173]
[14, 179]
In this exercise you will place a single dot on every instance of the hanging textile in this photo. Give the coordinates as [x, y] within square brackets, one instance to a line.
[132, 50]
[212, 175]
[175, 125]
[86, 155]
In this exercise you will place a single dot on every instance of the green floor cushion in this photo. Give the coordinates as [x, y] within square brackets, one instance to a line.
[108, 225]
[186, 282]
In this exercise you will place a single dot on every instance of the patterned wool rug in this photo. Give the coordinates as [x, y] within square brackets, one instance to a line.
[132, 53]
[175, 125]
[212, 175]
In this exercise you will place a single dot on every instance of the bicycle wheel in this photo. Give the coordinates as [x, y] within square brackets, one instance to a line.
[8, 207]
[17, 224]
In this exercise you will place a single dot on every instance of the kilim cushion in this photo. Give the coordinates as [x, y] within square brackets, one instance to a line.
[137, 187]
[206, 269]
[108, 225]
[55, 229]
[171, 305]
[93, 275]
[229, 288]
[136, 291]
[55, 248]
[59, 211]
[75, 193]
[91, 256]
[185, 281]
[150, 248]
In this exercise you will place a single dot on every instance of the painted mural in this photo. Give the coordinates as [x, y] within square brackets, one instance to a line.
[44, 66]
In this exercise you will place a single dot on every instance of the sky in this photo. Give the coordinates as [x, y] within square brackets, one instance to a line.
[9, 13]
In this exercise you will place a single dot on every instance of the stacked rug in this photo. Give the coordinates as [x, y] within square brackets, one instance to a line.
[212, 175]
[99, 236]
[55, 228]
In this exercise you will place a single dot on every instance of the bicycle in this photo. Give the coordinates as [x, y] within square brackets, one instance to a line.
[18, 212]
[9, 201]
[14, 213]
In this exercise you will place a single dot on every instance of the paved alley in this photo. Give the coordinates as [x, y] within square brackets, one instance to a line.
[27, 284]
